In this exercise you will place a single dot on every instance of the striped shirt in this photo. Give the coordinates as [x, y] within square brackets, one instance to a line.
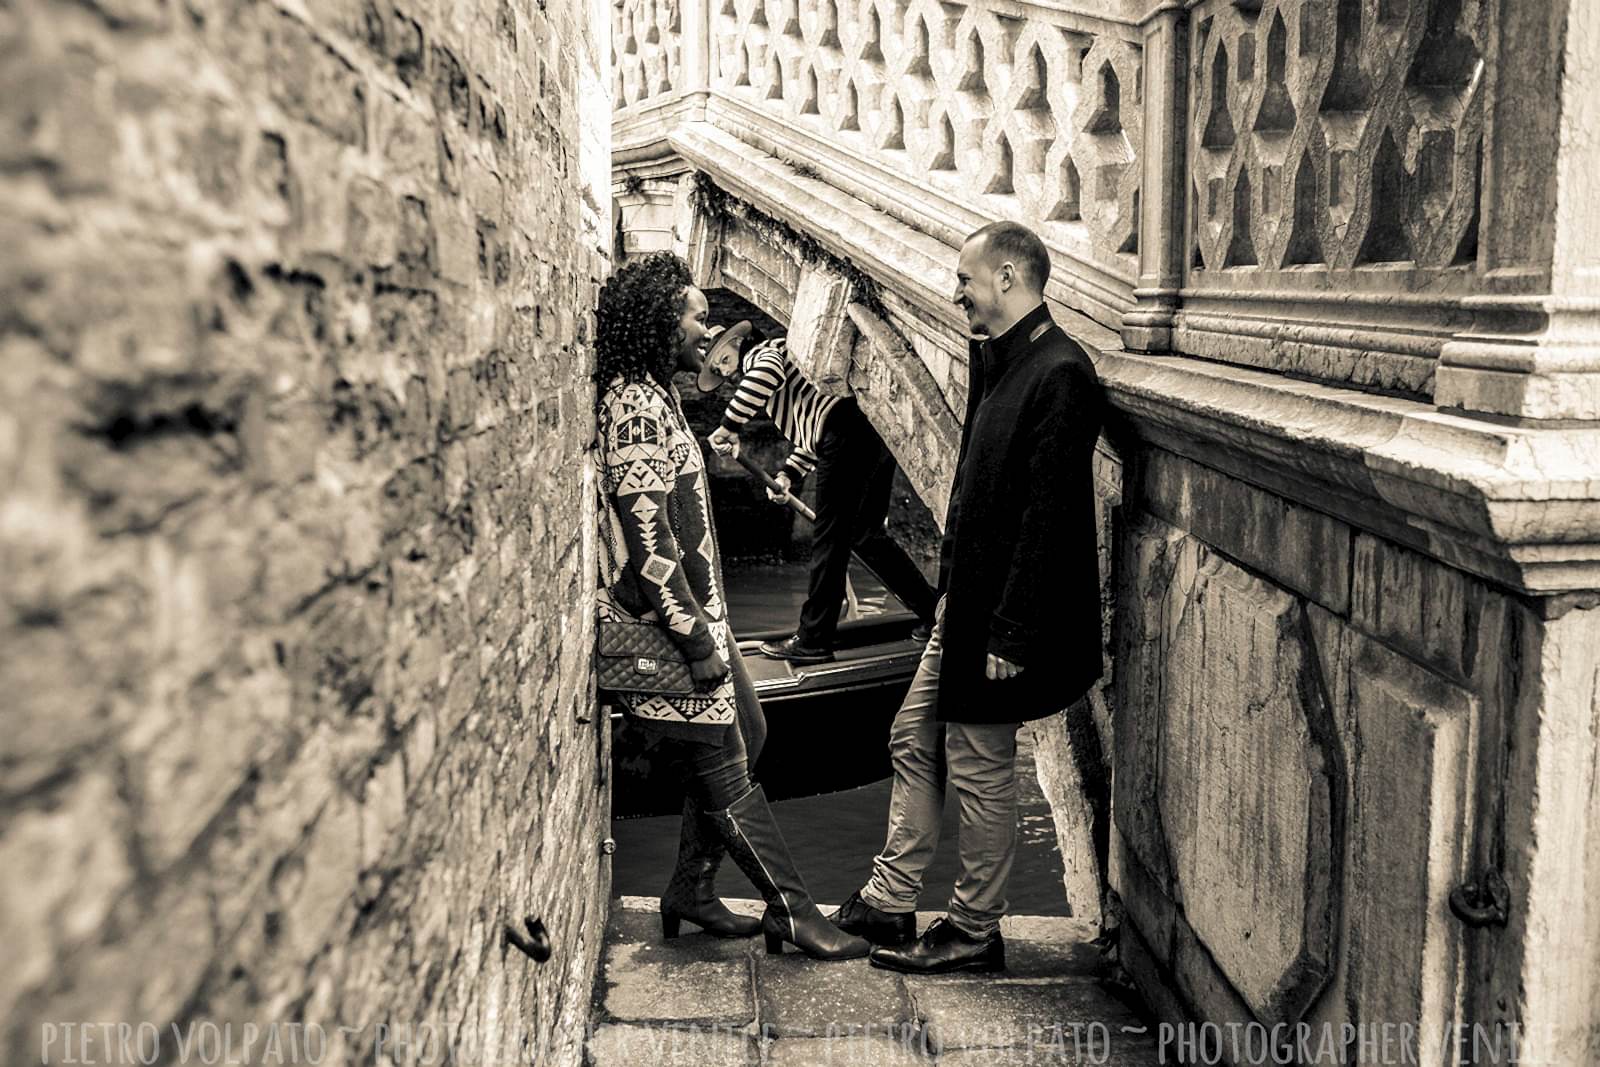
[770, 382]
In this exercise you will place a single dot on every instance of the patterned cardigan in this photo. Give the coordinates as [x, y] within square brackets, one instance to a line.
[666, 568]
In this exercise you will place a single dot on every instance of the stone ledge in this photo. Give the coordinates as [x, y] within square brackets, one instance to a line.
[1301, 548]
[640, 136]
[1518, 505]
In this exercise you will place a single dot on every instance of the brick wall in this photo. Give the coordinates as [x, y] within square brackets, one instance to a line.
[295, 320]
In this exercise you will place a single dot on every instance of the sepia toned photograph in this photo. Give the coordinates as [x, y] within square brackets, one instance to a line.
[800, 533]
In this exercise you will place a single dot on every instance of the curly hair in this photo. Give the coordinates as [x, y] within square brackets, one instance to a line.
[637, 319]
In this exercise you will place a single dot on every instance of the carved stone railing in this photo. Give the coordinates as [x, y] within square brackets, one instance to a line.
[1036, 117]
[1334, 154]
[647, 50]
[942, 114]
[1360, 191]
[1370, 194]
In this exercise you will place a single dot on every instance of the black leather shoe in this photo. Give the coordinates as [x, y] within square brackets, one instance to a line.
[858, 917]
[941, 949]
[792, 650]
[922, 633]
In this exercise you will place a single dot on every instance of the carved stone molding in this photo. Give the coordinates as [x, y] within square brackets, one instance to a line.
[1532, 357]
[821, 336]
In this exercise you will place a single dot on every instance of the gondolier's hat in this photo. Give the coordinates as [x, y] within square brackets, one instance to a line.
[722, 360]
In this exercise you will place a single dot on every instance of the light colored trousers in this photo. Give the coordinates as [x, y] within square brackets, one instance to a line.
[980, 761]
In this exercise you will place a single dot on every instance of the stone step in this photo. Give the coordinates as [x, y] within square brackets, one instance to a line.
[704, 1000]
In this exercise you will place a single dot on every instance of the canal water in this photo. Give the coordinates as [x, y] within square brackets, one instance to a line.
[834, 836]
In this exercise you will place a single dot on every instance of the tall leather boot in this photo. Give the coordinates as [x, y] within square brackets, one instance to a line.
[756, 844]
[691, 894]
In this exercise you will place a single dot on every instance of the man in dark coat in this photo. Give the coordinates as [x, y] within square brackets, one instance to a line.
[1018, 635]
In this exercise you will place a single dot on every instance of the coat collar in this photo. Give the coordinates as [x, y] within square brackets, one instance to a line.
[1000, 352]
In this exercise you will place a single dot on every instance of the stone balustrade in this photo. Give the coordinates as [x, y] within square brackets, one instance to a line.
[1028, 113]
[941, 108]
[647, 50]
[1348, 190]
[1334, 157]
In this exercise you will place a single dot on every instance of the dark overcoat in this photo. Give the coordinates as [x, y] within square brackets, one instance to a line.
[1018, 565]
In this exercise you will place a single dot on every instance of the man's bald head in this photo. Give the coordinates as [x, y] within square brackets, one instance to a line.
[1012, 242]
[1000, 276]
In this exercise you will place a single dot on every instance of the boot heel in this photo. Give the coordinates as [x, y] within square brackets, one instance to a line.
[669, 926]
[774, 944]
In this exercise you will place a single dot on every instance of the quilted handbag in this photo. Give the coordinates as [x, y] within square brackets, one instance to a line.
[639, 657]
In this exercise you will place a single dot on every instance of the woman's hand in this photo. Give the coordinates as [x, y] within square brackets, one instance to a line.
[708, 672]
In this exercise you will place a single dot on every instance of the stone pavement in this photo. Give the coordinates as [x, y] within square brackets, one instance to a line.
[706, 1002]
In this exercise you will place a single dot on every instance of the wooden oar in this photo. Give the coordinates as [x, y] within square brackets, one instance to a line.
[852, 606]
[796, 505]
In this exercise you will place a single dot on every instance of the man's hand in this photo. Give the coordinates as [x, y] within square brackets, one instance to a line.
[783, 497]
[1000, 670]
[724, 442]
[708, 672]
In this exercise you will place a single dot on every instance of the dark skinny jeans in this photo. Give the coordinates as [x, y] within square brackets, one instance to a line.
[716, 771]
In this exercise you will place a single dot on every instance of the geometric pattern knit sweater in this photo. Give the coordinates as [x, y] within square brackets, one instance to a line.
[668, 570]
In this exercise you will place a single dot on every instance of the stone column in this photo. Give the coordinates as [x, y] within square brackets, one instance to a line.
[1537, 976]
[695, 73]
[1148, 326]
[1533, 350]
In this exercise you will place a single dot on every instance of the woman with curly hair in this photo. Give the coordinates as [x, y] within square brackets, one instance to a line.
[660, 564]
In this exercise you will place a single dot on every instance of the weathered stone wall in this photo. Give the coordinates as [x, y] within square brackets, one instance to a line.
[1320, 736]
[295, 320]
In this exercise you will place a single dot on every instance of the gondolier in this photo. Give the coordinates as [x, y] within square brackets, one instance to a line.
[854, 473]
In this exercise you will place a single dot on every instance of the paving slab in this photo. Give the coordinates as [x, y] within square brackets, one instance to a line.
[1119, 1053]
[695, 978]
[1002, 1013]
[858, 1051]
[629, 1045]
[703, 1000]
[804, 997]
